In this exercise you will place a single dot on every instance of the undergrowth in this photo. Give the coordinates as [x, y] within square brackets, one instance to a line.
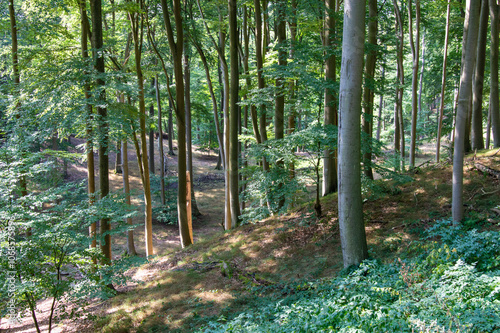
[449, 281]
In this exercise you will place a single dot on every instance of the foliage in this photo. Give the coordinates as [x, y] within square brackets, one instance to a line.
[438, 288]
[44, 240]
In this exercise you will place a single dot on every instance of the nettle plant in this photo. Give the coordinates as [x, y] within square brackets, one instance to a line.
[44, 242]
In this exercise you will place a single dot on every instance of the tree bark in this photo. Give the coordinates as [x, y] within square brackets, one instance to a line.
[126, 190]
[189, 137]
[102, 114]
[176, 47]
[136, 21]
[477, 140]
[352, 230]
[400, 73]
[152, 135]
[472, 27]
[233, 126]
[443, 82]
[331, 118]
[415, 50]
[160, 143]
[494, 98]
[369, 93]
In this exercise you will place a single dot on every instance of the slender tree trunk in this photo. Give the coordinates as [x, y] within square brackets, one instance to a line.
[176, 48]
[443, 82]
[126, 190]
[330, 155]
[494, 98]
[421, 80]
[189, 138]
[233, 131]
[152, 135]
[381, 105]
[118, 165]
[102, 114]
[368, 94]
[472, 26]
[260, 51]
[477, 108]
[401, 77]
[170, 129]
[488, 129]
[160, 143]
[89, 128]
[279, 111]
[136, 20]
[415, 48]
[352, 229]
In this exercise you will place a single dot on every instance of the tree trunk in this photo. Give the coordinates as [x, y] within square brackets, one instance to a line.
[369, 93]
[136, 21]
[89, 129]
[160, 143]
[401, 77]
[170, 128]
[352, 229]
[494, 98]
[472, 27]
[330, 155]
[260, 51]
[152, 135]
[176, 51]
[415, 50]
[126, 190]
[233, 126]
[381, 105]
[118, 165]
[443, 82]
[189, 137]
[279, 110]
[102, 114]
[477, 108]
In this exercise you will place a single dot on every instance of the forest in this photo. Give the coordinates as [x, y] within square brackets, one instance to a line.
[249, 166]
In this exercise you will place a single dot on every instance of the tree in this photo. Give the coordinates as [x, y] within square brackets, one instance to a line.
[176, 48]
[415, 50]
[399, 129]
[102, 113]
[330, 158]
[471, 24]
[233, 125]
[352, 229]
[137, 25]
[478, 83]
[443, 81]
[369, 90]
[494, 98]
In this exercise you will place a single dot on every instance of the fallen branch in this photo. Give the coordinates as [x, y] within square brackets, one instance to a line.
[490, 171]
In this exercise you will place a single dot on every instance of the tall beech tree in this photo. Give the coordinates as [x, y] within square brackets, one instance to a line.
[102, 129]
[176, 45]
[477, 141]
[415, 51]
[494, 95]
[399, 129]
[352, 229]
[137, 25]
[233, 124]
[443, 81]
[89, 146]
[471, 25]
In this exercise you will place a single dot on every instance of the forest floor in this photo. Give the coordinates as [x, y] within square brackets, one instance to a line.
[224, 273]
